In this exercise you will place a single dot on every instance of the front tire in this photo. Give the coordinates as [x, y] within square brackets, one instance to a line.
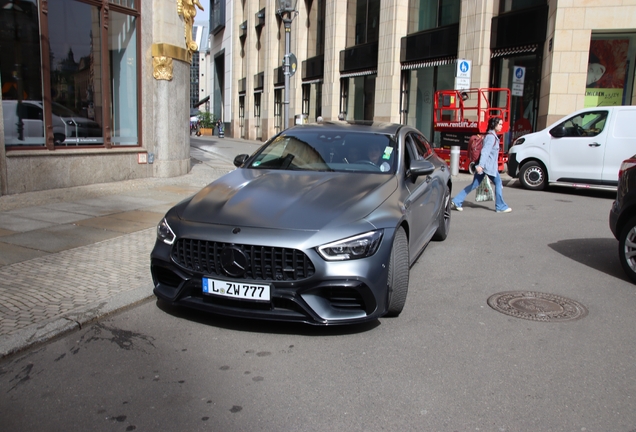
[444, 218]
[58, 138]
[627, 248]
[533, 176]
[398, 280]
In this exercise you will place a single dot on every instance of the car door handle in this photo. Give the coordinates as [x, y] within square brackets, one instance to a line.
[594, 145]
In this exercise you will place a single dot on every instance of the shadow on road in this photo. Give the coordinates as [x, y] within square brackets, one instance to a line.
[598, 253]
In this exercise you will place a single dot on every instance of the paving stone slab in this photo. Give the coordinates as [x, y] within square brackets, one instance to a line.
[60, 237]
[42, 213]
[21, 224]
[117, 224]
[11, 253]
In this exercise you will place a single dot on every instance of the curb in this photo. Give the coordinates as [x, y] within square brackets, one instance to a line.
[40, 333]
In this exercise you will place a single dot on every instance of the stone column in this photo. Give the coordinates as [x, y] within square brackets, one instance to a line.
[474, 38]
[335, 41]
[167, 108]
[393, 27]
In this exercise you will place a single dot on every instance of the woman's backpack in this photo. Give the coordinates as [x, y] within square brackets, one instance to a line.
[475, 144]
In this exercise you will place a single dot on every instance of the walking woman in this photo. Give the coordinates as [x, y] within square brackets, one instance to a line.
[488, 165]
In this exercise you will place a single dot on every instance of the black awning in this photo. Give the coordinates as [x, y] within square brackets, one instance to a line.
[202, 101]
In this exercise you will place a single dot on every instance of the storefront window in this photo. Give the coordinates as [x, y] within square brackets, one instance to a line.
[76, 62]
[524, 99]
[76, 79]
[122, 47]
[21, 70]
[610, 74]
[360, 97]
[422, 85]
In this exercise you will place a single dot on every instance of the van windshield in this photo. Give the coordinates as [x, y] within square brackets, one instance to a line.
[61, 110]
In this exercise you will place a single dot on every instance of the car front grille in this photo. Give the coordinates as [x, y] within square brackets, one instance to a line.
[263, 262]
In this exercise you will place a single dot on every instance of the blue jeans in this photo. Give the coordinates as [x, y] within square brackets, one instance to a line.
[499, 202]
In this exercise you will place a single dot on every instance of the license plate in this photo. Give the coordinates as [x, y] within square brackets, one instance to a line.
[235, 290]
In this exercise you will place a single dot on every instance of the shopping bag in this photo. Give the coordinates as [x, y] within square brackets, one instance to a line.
[485, 190]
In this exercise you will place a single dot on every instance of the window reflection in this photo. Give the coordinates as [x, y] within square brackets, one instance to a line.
[75, 41]
[122, 47]
[21, 73]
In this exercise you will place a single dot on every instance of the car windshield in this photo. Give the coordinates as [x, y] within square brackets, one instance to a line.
[61, 110]
[329, 151]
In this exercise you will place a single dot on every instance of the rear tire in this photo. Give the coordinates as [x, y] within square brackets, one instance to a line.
[533, 176]
[444, 218]
[627, 249]
[398, 280]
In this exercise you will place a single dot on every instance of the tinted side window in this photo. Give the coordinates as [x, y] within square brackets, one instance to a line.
[31, 112]
[585, 124]
[423, 146]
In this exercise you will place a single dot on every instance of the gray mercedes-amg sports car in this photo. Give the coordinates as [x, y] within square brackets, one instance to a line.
[320, 225]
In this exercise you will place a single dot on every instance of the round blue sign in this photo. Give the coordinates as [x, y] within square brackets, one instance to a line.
[463, 66]
[519, 73]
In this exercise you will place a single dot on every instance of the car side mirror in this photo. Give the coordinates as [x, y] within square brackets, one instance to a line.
[421, 168]
[240, 160]
[558, 132]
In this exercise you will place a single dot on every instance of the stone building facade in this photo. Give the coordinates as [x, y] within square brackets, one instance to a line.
[383, 60]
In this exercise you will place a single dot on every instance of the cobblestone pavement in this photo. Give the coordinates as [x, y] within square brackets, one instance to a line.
[69, 256]
[48, 287]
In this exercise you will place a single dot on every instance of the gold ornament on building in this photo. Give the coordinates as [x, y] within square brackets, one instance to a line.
[186, 9]
[162, 68]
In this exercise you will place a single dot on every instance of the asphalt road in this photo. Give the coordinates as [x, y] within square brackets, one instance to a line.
[448, 363]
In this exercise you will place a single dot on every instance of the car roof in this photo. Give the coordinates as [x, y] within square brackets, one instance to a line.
[351, 126]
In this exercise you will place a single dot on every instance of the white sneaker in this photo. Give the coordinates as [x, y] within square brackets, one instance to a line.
[454, 207]
[508, 210]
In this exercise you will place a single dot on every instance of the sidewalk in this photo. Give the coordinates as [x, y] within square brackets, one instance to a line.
[70, 256]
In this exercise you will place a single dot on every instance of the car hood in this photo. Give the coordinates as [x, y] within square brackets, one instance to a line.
[297, 200]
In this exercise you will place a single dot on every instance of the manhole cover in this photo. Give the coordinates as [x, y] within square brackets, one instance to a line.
[537, 306]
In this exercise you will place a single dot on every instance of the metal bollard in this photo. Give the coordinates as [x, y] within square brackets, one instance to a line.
[454, 160]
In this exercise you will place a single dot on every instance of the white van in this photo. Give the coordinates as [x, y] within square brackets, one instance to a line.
[68, 127]
[583, 150]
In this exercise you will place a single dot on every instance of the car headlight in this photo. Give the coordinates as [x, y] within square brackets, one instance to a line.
[360, 246]
[164, 232]
[519, 141]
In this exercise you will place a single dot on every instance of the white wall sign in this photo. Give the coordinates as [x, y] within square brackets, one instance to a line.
[462, 83]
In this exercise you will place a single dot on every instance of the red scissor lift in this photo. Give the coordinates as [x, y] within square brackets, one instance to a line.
[459, 114]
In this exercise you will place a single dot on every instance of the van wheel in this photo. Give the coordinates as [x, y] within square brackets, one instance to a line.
[627, 249]
[58, 138]
[533, 176]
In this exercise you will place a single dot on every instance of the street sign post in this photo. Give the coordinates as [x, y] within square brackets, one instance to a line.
[518, 78]
[462, 74]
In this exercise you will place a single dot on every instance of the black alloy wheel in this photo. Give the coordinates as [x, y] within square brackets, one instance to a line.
[398, 280]
[444, 218]
[627, 248]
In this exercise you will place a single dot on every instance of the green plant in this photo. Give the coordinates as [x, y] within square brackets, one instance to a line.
[207, 119]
